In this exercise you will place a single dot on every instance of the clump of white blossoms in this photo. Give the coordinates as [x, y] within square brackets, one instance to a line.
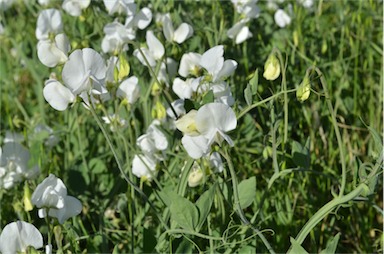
[216, 70]
[83, 75]
[206, 126]
[153, 145]
[52, 199]
[118, 35]
[53, 45]
[182, 33]
[248, 10]
[14, 159]
[17, 236]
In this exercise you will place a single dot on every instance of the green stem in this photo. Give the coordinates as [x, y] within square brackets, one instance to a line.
[255, 105]
[119, 165]
[325, 210]
[335, 126]
[182, 231]
[239, 211]
[283, 88]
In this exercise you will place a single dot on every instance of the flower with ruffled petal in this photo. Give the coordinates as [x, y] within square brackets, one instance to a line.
[183, 32]
[154, 52]
[127, 7]
[144, 166]
[18, 236]
[57, 95]
[282, 19]
[189, 64]
[240, 32]
[52, 53]
[48, 22]
[74, 7]
[84, 70]
[51, 195]
[129, 89]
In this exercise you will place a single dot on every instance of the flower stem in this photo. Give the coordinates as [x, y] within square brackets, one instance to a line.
[119, 165]
[239, 211]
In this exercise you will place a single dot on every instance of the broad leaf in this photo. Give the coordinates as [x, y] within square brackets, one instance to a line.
[184, 213]
[247, 192]
[254, 82]
[204, 204]
[300, 154]
[248, 95]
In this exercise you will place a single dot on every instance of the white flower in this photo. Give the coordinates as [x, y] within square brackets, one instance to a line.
[196, 146]
[115, 121]
[167, 71]
[189, 64]
[17, 236]
[51, 194]
[213, 61]
[142, 19]
[213, 120]
[183, 32]
[144, 166]
[116, 37]
[14, 165]
[247, 8]
[178, 106]
[129, 90]
[5, 4]
[51, 140]
[85, 70]
[13, 137]
[182, 88]
[187, 123]
[281, 18]
[222, 93]
[44, 2]
[127, 7]
[74, 7]
[154, 52]
[57, 95]
[153, 141]
[216, 162]
[52, 53]
[240, 32]
[48, 22]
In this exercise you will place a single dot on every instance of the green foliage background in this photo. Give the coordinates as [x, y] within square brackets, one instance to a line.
[342, 38]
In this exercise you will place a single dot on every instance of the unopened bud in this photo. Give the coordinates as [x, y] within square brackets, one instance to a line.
[304, 89]
[271, 68]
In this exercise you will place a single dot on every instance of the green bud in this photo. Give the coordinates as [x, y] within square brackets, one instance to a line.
[304, 89]
[124, 67]
[271, 68]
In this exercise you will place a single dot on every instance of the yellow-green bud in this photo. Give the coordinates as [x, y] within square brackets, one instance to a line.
[271, 68]
[124, 67]
[295, 38]
[27, 199]
[196, 176]
[304, 89]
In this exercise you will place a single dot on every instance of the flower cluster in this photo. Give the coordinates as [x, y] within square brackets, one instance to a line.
[14, 158]
[248, 10]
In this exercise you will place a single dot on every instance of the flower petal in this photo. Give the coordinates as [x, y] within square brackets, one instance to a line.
[183, 32]
[154, 46]
[17, 236]
[57, 95]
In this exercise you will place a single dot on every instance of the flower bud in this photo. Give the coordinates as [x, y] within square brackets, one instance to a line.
[27, 199]
[271, 68]
[195, 178]
[304, 89]
[124, 67]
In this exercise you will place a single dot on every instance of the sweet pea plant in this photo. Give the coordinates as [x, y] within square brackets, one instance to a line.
[237, 126]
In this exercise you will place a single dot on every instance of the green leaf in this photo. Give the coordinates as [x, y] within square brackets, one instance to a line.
[248, 95]
[208, 97]
[331, 245]
[167, 195]
[247, 192]
[296, 248]
[184, 213]
[97, 166]
[377, 140]
[300, 154]
[204, 204]
[254, 82]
